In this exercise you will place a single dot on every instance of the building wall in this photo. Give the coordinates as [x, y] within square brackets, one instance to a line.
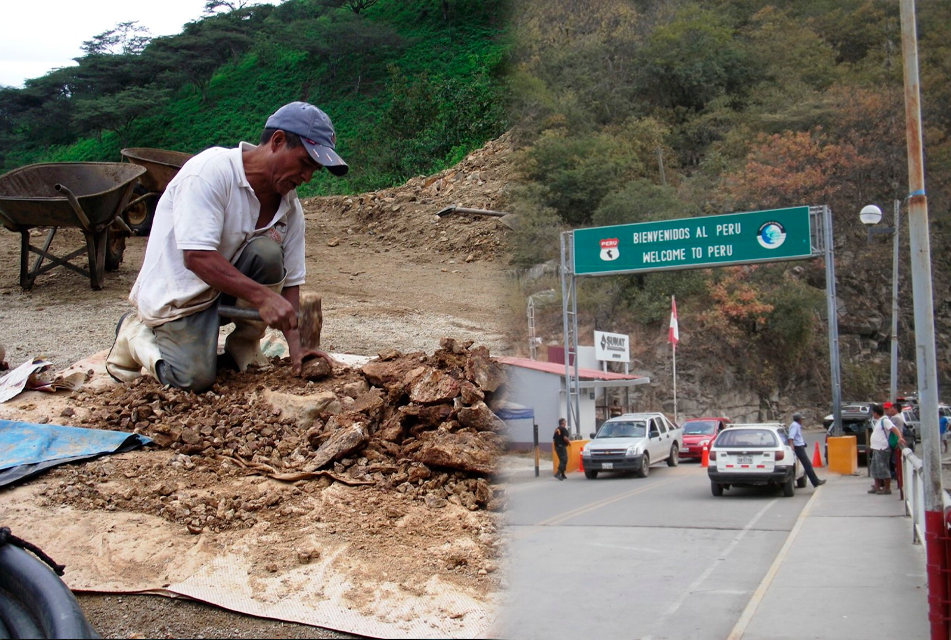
[543, 392]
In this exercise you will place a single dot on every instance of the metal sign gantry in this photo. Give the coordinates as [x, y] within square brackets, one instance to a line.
[794, 233]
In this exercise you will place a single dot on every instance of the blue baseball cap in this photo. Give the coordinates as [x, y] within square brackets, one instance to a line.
[315, 130]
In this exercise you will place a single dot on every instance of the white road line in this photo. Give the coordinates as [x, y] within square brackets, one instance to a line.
[744, 621]
[695, 585]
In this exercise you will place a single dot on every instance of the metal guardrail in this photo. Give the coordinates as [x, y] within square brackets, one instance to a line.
[913, 484]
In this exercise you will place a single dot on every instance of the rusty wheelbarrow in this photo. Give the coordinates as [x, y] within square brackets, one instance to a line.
[161, 166]
[87, 195]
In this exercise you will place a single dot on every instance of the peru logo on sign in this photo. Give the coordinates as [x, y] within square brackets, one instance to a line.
[609, 249]
[771, 235]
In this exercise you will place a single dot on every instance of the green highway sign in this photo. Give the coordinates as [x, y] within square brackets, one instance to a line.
[689, 243]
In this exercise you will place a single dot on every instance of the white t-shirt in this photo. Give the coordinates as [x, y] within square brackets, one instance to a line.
[880, 430]
[209, 205]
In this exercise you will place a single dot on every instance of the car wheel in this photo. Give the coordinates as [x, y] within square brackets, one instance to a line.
[674, 459]
[716, 488]
[801, 482]
[788, 489]
[590, 475]
[645, 467]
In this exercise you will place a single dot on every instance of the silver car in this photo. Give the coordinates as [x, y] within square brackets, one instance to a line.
[632, 442]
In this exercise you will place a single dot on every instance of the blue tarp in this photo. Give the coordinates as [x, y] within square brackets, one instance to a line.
[27, 449]
[512, 411]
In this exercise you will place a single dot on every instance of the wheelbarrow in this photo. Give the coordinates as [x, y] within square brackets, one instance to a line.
[161, 166]
[87, 195]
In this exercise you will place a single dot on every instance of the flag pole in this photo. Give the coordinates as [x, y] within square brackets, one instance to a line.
[673, 337]
[673, 348]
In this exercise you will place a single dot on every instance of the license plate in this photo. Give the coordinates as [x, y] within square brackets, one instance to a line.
[744, 459]
[686, 449]
[607, 465]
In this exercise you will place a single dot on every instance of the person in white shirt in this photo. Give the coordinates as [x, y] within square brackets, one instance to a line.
[229, 229]
[881, 451]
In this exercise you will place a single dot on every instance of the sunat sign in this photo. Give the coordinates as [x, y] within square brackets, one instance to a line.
[612, 347]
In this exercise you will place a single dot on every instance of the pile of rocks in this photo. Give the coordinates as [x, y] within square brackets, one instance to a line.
[413, 424]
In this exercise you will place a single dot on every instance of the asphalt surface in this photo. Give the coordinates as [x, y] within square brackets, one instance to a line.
[660, 557]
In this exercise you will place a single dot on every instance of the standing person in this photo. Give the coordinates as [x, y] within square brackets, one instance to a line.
[892, 410]
[943, 429]
[798, 444]
[229, 229]
[881, 451]
[561, 440]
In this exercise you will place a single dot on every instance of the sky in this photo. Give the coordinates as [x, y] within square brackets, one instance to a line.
[37, 36]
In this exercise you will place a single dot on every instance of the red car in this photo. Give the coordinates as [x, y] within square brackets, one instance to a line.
[700, 431]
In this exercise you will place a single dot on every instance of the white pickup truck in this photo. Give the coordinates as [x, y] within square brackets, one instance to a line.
[632, 442]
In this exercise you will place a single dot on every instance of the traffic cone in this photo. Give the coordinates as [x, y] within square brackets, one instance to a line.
[580, 462]
[705, 457]
[817, 458]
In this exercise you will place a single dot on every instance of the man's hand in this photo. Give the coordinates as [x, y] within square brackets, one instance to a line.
[277, 312]
[297, 353]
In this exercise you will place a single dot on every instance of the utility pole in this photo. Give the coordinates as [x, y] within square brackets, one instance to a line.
[936, 535]
[893, 374]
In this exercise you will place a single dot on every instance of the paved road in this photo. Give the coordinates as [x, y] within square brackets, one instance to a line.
[624, 557]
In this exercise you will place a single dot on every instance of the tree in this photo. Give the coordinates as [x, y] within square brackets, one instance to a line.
[119, 111]
[339, 38]
[213, 7]
[193, 57]
[794, 168]
[125, 37]
[693, 60]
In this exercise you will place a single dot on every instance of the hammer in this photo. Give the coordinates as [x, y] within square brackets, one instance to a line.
[310, 318]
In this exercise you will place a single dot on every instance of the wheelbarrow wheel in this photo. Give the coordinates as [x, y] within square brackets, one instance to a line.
[115, 247]
[139, 216]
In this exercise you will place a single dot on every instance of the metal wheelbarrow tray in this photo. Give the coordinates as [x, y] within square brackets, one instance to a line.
[161, 166]
[90, 196]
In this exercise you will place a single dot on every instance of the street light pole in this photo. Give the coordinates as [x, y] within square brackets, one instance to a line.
[893, 382]
[871, 215]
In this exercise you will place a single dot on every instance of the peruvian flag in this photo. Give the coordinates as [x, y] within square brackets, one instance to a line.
[673, 336]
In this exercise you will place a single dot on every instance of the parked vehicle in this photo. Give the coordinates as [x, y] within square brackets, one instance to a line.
[856, 421]
[700, 432]
[754, 454]
[632, 442]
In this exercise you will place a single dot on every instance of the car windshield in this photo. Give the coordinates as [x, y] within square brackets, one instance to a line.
[700, 427]
[635, 429]
[747, 438]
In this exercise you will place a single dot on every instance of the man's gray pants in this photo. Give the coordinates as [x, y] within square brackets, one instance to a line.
[189, 345]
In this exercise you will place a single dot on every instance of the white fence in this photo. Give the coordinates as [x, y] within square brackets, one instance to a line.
[913, 484]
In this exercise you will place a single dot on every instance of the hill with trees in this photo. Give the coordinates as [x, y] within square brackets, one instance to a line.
[636, 110]
[410, 86]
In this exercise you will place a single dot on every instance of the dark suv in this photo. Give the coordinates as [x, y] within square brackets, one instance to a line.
[856, 421]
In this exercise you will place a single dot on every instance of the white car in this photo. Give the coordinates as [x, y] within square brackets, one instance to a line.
[754, 454]
[632, 442]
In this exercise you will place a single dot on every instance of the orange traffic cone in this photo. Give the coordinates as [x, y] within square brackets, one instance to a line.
[705, 457]
[580, 462]
[817, 458]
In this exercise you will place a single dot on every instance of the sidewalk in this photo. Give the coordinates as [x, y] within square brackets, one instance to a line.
[848, 570]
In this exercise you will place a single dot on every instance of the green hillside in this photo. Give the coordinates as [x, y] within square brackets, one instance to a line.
[411, 86]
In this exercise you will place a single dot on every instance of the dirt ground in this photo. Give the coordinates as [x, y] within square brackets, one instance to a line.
[393, 276]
